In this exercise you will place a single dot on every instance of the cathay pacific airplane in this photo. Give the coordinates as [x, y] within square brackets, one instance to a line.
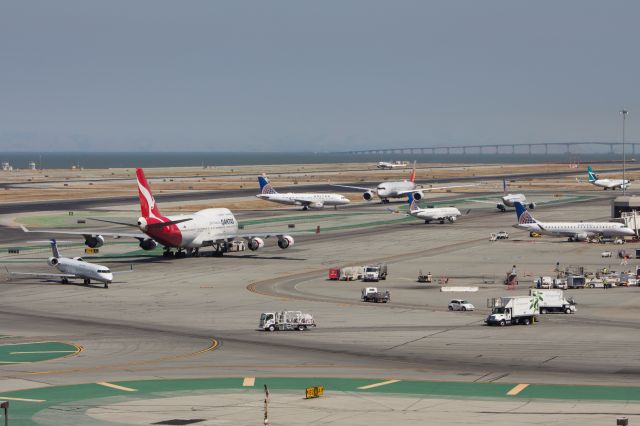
[397, 189]
[575, 231]
[606, 183]
[308, 200]
[215, 228]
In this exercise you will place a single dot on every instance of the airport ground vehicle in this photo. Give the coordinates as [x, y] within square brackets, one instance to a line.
[422, 278]
[511, 310]
[460, 305]
[553, 300]
[375, 272]
[334, 274]
[286, 320]
[371, 294]
[351, 273]
[502, 235]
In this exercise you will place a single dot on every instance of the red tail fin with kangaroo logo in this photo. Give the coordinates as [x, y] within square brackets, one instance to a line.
[148, 207]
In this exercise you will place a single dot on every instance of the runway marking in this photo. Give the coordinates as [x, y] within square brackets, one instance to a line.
[43, 352]
[15, 362]
[376, 385]
[517, 389]
[213, 346]
[249, 381]
[22, 399]
[111, 385]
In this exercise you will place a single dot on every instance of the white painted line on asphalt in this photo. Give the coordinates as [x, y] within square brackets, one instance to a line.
[249, 381]
[517, 389]
[42, 352]
[375, 385]
[111, 385]
[21, 399]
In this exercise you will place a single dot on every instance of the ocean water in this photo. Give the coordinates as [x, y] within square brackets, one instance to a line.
[98, 160]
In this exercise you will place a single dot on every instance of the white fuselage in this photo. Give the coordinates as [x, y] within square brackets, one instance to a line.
[205, 228]
[510, 199]
[313, 200]
[610, 183]
[395, 189]
[579, 229]
[387, 165]
[84, 270]
[437, 213]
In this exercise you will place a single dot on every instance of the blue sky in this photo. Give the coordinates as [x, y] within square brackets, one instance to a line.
[313, 75]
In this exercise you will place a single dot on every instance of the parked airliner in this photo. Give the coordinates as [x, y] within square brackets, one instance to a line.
[436, 213]
[72, 268]
[606, 183]
[215, 228]
[308, 200]
[575, 231]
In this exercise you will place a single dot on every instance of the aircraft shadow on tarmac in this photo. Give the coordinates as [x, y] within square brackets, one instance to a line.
[44, 282]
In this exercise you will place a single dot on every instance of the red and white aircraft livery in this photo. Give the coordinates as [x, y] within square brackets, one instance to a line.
[215, 228]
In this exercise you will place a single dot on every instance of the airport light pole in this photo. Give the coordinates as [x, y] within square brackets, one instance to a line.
[624, 114]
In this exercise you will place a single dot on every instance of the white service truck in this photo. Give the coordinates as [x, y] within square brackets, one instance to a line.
[376, 272]
[553, 300]
[286, 320]
[511, 310]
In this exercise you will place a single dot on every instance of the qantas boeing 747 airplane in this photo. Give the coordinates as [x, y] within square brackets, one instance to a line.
[216, 227]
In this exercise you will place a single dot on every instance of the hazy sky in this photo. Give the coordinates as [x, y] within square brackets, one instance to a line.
[313, 75]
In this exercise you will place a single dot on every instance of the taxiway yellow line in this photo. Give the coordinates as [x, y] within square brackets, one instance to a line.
[376, 385]
[43, 352]
[15, 362]
[111, 385]
[21, 399]
[517, 389]
[249, 381]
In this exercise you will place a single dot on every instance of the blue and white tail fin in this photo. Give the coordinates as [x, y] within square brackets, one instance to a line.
[54, 249]
[524, 217]
[592, 175]
[413, 204]
[265, 186]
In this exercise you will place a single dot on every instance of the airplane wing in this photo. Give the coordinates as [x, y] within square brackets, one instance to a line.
[359, 188]
[89, 233]
[267, 234]
[41, 275]
[484, 201]
[433, 189]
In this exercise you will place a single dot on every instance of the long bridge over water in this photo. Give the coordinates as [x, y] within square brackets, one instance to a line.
[547, 148]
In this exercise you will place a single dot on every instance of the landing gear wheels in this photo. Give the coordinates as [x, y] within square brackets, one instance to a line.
[106, 285]
[87, 281]
[167, 252]
[427, 222]
[181, 254]
[442, 222]
[64, 281]
[305, 208]
[385, 201]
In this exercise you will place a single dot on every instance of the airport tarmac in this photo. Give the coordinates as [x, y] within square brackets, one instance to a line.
[196, 318]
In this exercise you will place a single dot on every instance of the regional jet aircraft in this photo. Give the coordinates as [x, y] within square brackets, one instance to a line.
[606, 183]
[72, 268]
[436, 213]
[308, 200]
[215, 228]
[575, 231]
